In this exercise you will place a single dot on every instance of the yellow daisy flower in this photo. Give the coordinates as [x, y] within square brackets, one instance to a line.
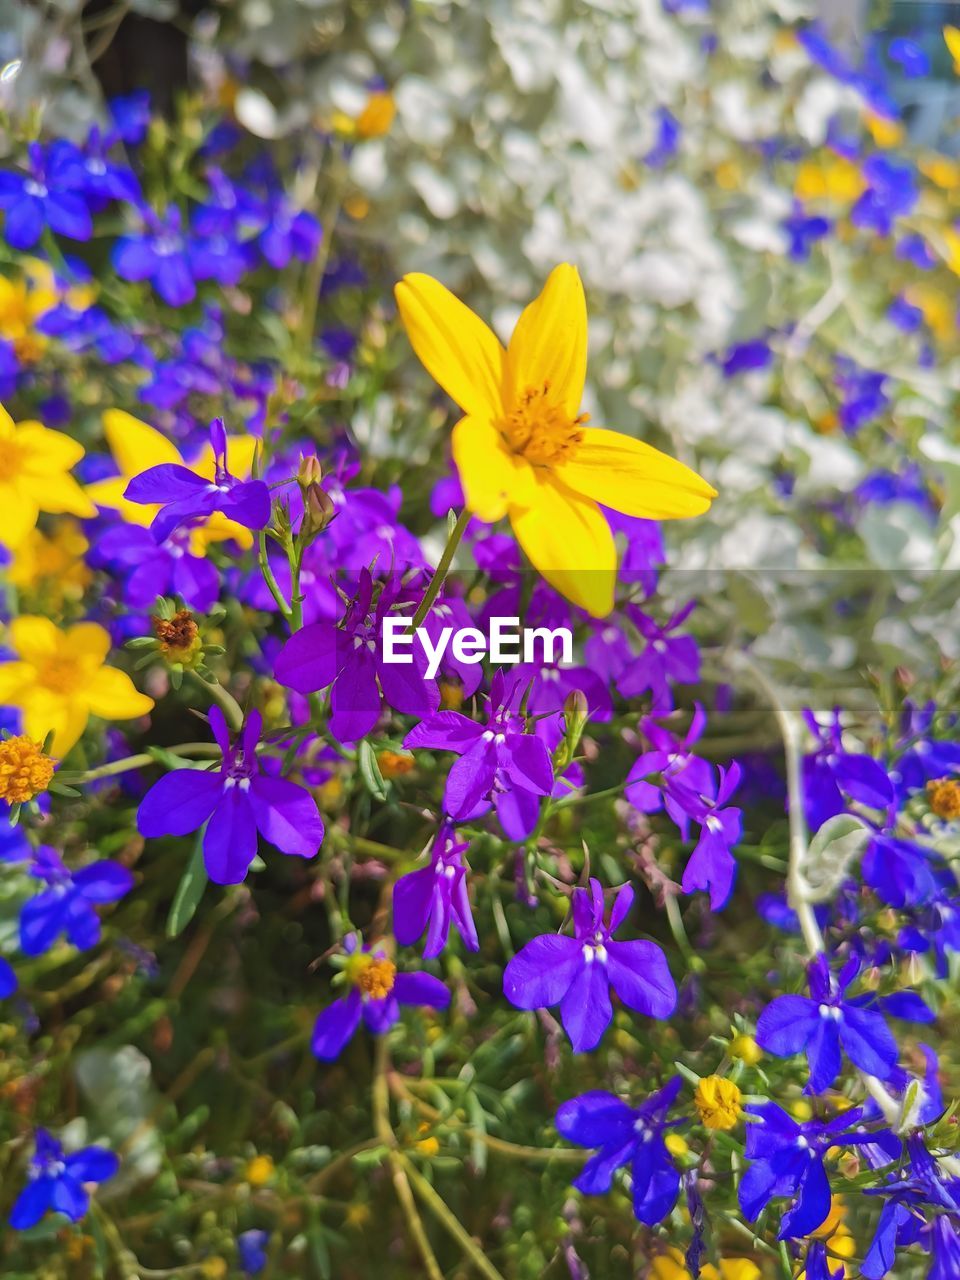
[34, 477]
[523, 449]
[59, 680]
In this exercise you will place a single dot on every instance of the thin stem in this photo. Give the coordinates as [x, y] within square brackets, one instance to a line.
[141, 761]
[450, 1222]
[269, 579]
[318, 267]
[224, 699]
[440, 573]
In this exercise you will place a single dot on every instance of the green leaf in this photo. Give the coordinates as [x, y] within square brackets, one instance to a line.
[370, 771]
[189, 890]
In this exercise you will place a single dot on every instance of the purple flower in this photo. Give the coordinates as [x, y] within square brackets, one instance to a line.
[667, 659]
[131, 116]
[376, 993]
[289, 233]
[236, 802]
[434, 896]
[184, 496]
[66, 906]
[711, 866]
[577, 973]
[56, 1181]
[803, 231]
[898, 871]
[820, 1024]
[148, 568]
[8, 979]
[864, 391]
[891, 192]
[160, 254]
[252, 1251]
[349, 657]
[910, 55]
[673, 759]
[667, 139]
[747, 356]
[499, 763]
[788, 1161]
[625, 1136]
[831, 774]
[49, 195]
[816, 1266]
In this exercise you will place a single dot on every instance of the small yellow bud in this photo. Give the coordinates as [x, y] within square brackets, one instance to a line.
[746, 1049]
[800, 1109]
[259, 1171]
[676, 1145]
[718, 1102]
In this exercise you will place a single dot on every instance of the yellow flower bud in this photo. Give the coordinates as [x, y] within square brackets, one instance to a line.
[718, 1102]
[259, 1171]
[746, 1049]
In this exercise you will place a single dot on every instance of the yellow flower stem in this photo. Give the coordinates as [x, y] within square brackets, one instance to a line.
[440, 573]
[796, 885]
[224, 699]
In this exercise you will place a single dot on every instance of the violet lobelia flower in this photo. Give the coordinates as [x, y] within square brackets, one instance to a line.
[184, 496]
[666, 660]
[376, 992]
[625, 1135]
[66, 905]
[672, 758]
[434, 896]
[819, 1024]
[577, 973]
[711, 866]
[8, 979]
[236, 802]
[348, 659]
[830, 774]
[500, 763]
[56, 1181]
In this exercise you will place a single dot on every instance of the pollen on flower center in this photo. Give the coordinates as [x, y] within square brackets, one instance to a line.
[944, 797]
[61, 675]
[376, 978]
[540, 429]
[24, 770]
[718, 1102]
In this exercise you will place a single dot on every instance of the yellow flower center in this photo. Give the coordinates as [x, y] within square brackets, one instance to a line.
[11, 461]
[541, 429]
[60, 675]
[374, 975]
[944, 797]
[24, 770]
[718, 1102]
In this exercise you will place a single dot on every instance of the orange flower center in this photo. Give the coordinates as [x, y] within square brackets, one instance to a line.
[59, 675]
[944, 797]
[541, 429]
[11, 461]
[375, 978]
[24, 770]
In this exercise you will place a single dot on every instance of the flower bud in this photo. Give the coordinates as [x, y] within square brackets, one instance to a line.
[746, 1049]
[718, 1102]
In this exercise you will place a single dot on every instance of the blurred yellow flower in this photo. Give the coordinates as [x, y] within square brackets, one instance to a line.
[136, 446]
[59, 680]
[54, 563]
[718, 1102]
[951, 36]
[377, 116]
[941, 170]
[24, 301]
[671, 1266]
[885, 132]
[828, 177]
[523, 448]
[746, 1049]
[259, 1171]
[34, 477]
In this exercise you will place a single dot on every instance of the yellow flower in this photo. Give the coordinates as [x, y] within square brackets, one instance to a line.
[34, 477]
[941, 170]
[885, 132]
[718, 1102]
[523, 450]
[676, 1145]
[670, 1266]
[951, 36]
[136, 446]
[828, 177]
[53, 563]
[24, 301]
[24, 770]
[746, 1049]
[377, 116]
[60, 680]
[259, 1171]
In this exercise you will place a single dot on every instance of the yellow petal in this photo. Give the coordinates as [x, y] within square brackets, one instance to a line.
[112, 694]
[20, 513]
[634, 478]
[453, 344]
[951, 36]
[7, 427]
[217, 528]
[568, 541]
[549, 344]
[109, 494]
[16, 679]
[492, 476]
[67, 717]
[34, 638]
[135, 445]
[46, 452]
[58, 493]
[88, 640]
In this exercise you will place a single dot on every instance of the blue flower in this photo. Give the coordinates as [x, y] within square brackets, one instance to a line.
[131, 116]
[433, 896]
[160, 254]
[625, 1135]
[787, 1160]
[49, 195]
[803, 232]
[8, 979]
[744, 357]
[911, 57]
[56, 1181]
[891, 193]
[667, 140]
[830, 774]
[66, 906]
[819, 1024]
[252, 1252]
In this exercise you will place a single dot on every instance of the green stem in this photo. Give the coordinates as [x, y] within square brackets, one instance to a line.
[141, 761]
[440, 573]
[317, 268]
[224, 699]
[269, 579]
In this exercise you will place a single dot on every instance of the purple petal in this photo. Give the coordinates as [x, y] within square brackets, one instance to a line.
[230, 841]
[639, 975]
[93, 1164]
[868, 1040]
[31, 1204]
[248, 504]
[445, 731]
[286, 815]
[312, 658]
[179, 802]
[585, 1010]
[168, 482]
[413, 897]
[335, 1026]
[104, 881]
[421, 989]
[541, 973]
[526, 762]
[786, 1025]
[470, 780]
[355, 701]
[596, 1119]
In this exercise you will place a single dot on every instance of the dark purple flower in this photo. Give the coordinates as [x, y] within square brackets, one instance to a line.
[787, 1160]
[500, 763]
[910, 55]
[626, 1135]
[891, 193]
[865, 394]
[435, 895]
[49, 195]
[289, 233]
[803, 231]
[666, 660]
[376, 993]
[820, 1024]
[672, 758]
[577, 973]
[131, 116]
[66, 906]
[898, 870]
[667, 140]
[830, 775]
[56, 1181]
[350, 658]
[711, 867]
[252, 1251]
[184, 496]
[236, 802]
[745, 357]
